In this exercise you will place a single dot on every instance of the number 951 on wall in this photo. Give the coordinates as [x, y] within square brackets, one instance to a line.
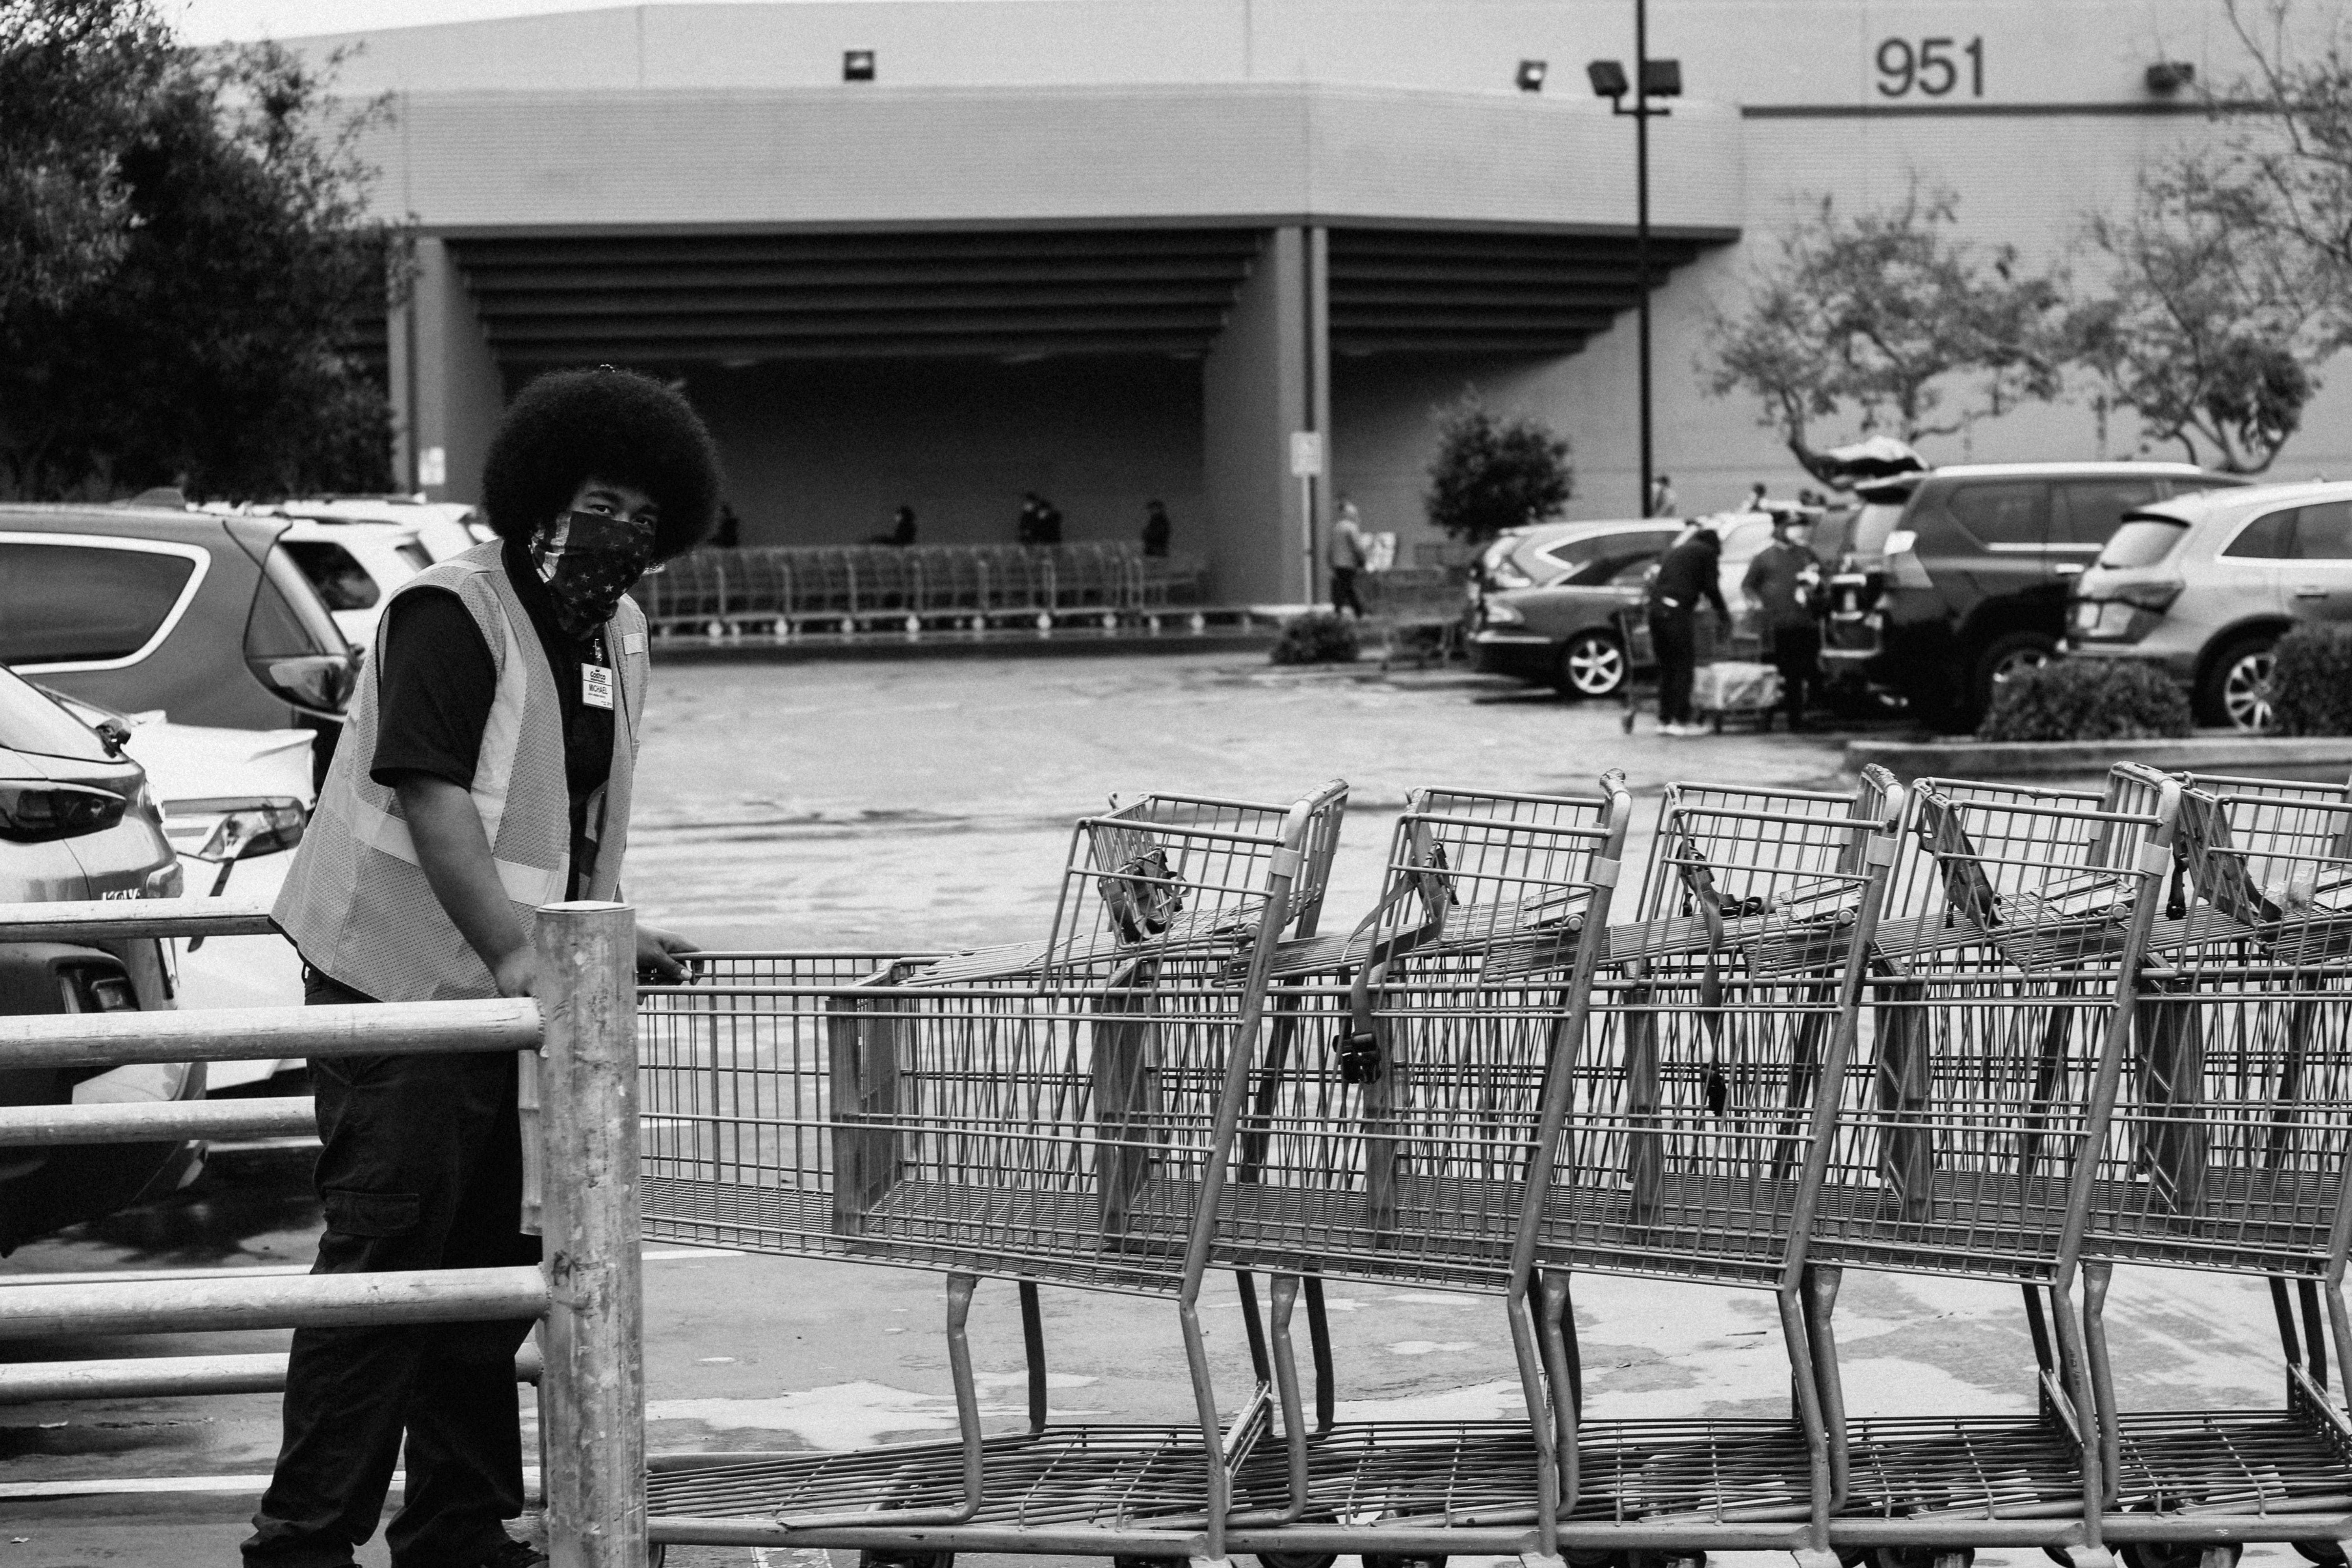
[1930, 67]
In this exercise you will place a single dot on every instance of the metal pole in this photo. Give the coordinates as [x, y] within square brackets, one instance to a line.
[1641, 221]
[591, 1395]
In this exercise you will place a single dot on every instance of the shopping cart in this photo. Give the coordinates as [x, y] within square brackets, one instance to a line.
[1739, 644]
[1070, 1124]
[1478, 1130]
[1968, 1132]
[2226, 1154]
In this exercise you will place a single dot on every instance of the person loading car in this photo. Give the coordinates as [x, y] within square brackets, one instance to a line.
[1685, 575]
[486, 770]
[1782, 583]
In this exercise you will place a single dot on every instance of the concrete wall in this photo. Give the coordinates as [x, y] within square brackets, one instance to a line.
[446, 389]
[821, 453]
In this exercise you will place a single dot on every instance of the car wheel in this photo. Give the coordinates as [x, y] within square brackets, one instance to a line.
[2006, 658]
[2236, 687]
[1592, 664]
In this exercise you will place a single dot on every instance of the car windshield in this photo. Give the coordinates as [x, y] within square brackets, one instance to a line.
[30, 721]
[2143, 541]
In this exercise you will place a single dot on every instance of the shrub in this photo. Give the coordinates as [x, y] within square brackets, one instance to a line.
[1319, 637]
[2087, 699]
[1491, 474]
[2311, 687]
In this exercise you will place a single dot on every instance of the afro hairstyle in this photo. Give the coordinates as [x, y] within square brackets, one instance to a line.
[573, 426]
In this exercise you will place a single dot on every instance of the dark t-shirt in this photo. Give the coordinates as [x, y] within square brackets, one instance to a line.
[1686, 574]
[438, 684]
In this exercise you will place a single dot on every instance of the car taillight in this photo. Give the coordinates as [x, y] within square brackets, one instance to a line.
[33, 812]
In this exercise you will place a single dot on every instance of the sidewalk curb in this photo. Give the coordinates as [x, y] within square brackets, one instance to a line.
[2015, 759]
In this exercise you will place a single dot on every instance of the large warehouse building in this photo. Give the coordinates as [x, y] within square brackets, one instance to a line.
[941, 253]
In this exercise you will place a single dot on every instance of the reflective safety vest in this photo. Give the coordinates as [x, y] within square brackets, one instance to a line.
[356, 901]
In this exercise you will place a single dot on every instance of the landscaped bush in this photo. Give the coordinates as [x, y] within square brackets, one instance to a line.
[2311, 686]
[1319, 637]
[2087, 699]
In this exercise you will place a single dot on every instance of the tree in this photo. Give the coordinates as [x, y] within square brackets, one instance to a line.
[1491, 474]
[1886, 321]
[2210, 339]
[73, 81]
[202, 342]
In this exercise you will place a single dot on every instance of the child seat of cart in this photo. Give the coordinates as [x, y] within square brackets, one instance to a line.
[1139, 868]
[1800, 926]
[2289, 892]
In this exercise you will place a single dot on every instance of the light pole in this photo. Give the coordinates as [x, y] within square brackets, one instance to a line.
[1651, 79]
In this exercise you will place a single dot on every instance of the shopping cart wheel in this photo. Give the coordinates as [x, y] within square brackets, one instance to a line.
[1296, 1559]
[1925, 1556]
[2327, 1552]
[2182, 1553]
[870, 1558]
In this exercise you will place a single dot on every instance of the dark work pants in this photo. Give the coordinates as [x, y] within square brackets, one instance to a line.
[421, 1168]
[1797, 655]
[1343, 590]
[1673, 639]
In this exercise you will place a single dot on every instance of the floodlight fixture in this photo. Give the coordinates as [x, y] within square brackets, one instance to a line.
[1532, 74]
[857, 64]
[1609, 79]
[1662, 78]
[2166, 78]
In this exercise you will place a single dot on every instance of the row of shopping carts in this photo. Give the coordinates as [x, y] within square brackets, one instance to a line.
[795, 589]
[1953, 1029]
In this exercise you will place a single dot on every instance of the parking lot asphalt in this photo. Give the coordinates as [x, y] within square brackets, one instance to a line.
[917, 805]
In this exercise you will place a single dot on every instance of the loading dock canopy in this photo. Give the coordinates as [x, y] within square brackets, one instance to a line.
[698, 299]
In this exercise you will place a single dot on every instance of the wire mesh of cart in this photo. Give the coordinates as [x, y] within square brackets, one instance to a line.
[1969, 1119]
[1177, 878]
[1070, 1124]
[2225, 1154]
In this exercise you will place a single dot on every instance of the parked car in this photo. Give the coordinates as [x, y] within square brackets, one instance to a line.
[2204, 586]
[1563, 629]
[354, 567]
[76, 822]
[203, 616]
[1542, 554]
[1954, 580]
[444, 528]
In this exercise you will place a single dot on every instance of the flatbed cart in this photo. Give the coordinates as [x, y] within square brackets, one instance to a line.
[1753, 701]
[2226, 1154]
[1968, 1130]
[1417, 1142]
[1068, 1124]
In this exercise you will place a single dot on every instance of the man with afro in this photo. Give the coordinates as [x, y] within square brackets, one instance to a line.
[485, 769]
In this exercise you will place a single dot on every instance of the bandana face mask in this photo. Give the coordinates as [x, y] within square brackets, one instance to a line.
[589, 560]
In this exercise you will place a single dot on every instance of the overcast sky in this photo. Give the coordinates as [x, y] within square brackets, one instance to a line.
[215, 21]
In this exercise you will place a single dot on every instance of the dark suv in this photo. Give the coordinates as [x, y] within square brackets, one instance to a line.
[1950, 582]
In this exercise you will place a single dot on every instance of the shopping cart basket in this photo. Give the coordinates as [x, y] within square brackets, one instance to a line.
[1968, 1128]
[2226, 1154]
[1072, 1130]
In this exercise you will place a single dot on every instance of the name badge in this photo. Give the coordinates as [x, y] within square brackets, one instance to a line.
[597, 685]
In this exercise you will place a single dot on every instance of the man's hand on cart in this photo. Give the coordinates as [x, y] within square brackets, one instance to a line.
[656, 950]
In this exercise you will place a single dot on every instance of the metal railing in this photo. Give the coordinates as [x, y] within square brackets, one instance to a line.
[789, 589]
[579, 1035]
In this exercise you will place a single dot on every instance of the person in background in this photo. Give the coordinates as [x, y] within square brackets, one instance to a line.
[1156, 527]
[1351, 547]
[1784, 584]
[1686, 575]
[485, 770]
[1041, 522]
[902, 529]
[1663, 500]
[729, 534]
[1755, 501]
